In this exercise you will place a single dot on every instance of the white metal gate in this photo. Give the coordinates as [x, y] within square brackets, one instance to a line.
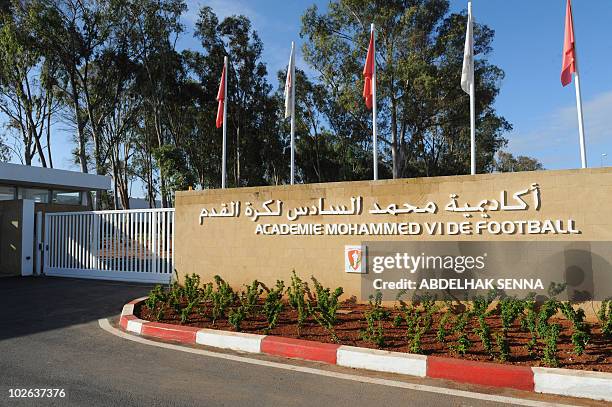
[129, 245]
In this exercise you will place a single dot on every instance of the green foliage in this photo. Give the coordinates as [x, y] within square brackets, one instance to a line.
[323, 304]
[221, 298]
[297, 293]
[463, 343]
[191, 288]
[481, 311]
[443, 329]
[236, 316]
[248, 300]
[550, 349]
[605, 317]
[375, 317]
[501, 340]
[581, 331]
[529, 322]
[156, 301]
[273, 304]
[416, 83]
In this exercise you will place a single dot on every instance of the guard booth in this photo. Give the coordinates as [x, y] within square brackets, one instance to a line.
[26, 194]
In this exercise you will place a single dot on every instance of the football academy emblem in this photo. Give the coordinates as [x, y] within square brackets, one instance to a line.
[353, 259]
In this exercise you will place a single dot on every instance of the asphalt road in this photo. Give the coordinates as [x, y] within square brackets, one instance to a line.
[50, 338]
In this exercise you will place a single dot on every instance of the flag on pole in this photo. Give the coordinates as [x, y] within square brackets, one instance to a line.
[569, 48]
[289, 102]
[467, 73]
[221, 99]
[290, 105]
[369, 93]
[569, 68]
[468, 85]
[368, 73]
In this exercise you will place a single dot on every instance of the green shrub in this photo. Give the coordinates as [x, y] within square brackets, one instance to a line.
[529, 321]
[375, 317]
[481, 311]
[323, 306]
[581, 331]
[236, 316]
[156, 302]
[550, 348]
[463, 343]
[605, 317]
[221, 298]
[248, 300]
[297, 293]
[273, 304]
[443, 327]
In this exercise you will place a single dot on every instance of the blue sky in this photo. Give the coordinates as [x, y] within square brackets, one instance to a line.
[527, 46]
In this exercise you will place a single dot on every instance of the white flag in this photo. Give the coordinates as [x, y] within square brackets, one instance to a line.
[289, 83]
[467, 74]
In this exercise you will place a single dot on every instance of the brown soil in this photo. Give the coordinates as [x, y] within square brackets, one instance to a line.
[351, 321]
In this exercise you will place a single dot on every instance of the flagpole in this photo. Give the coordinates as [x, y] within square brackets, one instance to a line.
[583, 157]
[472, 109]
[224, 152]
[374, 133]
[292, 67]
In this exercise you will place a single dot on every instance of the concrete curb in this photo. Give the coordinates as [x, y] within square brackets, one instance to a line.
[563, 382]
[575, 383]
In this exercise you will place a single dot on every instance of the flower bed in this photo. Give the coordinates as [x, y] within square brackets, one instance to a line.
[504, 330]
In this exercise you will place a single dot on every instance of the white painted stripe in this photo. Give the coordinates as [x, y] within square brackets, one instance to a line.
[104, 324]
[576, 383]
[230, 340]
[135, 325]
[382, 361]
[128, 309]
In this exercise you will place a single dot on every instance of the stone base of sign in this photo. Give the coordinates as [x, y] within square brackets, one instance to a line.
[564, 382]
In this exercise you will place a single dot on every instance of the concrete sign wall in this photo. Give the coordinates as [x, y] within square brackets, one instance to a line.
[266, 232]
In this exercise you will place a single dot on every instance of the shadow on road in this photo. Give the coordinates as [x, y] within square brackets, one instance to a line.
[33, 304]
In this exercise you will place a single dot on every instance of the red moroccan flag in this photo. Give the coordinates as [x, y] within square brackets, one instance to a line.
[368, 73]
[221, 99]
[569, 48]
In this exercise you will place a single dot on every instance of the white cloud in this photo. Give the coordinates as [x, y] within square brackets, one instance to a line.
[555, 139]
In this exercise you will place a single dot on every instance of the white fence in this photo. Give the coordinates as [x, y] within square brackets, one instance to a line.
[130, 245]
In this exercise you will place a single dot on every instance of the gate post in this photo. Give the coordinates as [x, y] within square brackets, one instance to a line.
[27, 237]
[39, 244]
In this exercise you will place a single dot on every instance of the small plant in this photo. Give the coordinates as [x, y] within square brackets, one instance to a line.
[550, 348]
[323, 306]
[547, 332]
[504, 348]
[191, 288]
[156, 302]
[236, 316]
[221, 298]
[175, 297]
[250, 297]
[581, 331]
[443, 330]
[481, 311]
[248, 301]
[375, 316]
[273, 304]
[529, 321]
[297, 293]
[463, 343]
[605, 317]
[510, 309]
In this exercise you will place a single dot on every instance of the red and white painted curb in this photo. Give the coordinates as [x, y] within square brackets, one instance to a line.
[564, 382]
